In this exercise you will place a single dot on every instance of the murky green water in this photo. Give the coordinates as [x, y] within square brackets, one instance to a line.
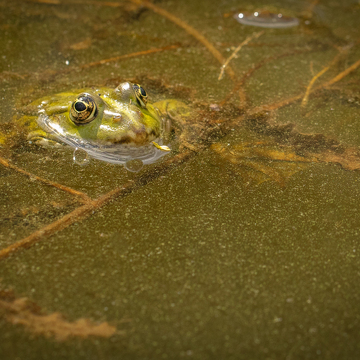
[204, 261]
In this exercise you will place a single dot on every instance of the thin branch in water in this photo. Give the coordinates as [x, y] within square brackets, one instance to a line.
[344, 73]
[322, 72]
[127, 56]
[311, 83]
[84, 198]
[245, 42]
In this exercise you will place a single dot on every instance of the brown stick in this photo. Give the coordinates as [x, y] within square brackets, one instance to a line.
[80, 194]
[322, 72]
[311, 83]
[342, 74]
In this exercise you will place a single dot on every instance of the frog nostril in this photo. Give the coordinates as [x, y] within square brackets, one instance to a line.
[117, 118]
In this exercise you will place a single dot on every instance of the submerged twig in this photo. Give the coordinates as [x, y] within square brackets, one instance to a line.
[245, 42]
[322, 72]
[311, 83]
[342, 74]
[80, 194]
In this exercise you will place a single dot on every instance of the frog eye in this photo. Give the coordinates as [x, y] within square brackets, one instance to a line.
[140, 94]
[83, 109]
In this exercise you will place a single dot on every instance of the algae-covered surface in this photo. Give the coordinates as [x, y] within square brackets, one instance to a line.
[243, 242]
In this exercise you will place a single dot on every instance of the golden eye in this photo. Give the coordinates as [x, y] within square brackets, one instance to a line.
[83, 109]
[140, 94]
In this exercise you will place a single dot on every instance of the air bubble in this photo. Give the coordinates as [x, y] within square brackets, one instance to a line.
[134, 165]
[80, 157]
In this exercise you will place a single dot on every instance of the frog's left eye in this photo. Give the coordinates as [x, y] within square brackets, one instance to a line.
[140, 94]
[83, 109]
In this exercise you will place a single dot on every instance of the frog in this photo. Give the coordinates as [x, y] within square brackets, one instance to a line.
[110, 124]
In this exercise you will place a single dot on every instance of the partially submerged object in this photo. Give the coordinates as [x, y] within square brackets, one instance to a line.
[266, 19]
[113, 125]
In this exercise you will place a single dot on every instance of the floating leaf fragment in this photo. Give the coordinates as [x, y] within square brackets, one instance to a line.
[161, 147]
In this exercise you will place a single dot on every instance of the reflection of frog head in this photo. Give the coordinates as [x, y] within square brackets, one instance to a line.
[103, 116]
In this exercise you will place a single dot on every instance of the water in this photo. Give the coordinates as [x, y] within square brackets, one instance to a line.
[226, 255]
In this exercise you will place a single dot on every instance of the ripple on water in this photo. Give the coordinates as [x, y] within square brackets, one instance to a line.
[266, 19]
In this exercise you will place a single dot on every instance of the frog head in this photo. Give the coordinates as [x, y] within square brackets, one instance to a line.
[100, 116]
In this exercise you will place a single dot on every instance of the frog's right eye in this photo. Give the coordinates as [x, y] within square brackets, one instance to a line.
[83, 109]
[140, 94]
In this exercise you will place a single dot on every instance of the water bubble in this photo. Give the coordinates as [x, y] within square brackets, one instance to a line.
[80, 157]
[134, 165]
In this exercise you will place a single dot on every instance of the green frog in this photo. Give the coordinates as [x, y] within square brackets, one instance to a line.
[113, 125]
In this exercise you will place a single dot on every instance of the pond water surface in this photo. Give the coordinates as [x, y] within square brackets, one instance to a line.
[242, 245]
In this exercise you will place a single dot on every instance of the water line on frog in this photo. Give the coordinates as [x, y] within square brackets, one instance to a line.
[111, 153]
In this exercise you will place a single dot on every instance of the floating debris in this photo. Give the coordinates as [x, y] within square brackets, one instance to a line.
[266, 19]
[161, 147]
[30, 315]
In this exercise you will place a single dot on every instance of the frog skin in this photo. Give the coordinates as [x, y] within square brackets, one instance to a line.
[101, 119]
